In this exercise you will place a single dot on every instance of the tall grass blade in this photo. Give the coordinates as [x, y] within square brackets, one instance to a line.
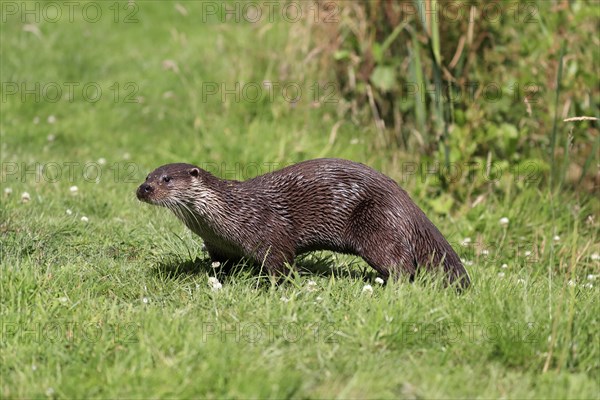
[589, 159]
[420, 6]
[435, 34]
[555, 124]
[417, 78]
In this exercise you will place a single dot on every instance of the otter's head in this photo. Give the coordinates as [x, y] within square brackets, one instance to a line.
[179, 187]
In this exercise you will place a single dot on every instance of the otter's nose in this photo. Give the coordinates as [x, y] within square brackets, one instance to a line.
[144, 190]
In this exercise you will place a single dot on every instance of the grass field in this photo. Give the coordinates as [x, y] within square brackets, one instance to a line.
[105, 297]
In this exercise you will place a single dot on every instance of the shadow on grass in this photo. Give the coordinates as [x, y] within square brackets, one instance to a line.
[178, 268]
[326, 265]
[318, 265]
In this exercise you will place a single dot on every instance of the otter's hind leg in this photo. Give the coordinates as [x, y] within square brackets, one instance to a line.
[374, 236]
[390, 265]
[390, 258]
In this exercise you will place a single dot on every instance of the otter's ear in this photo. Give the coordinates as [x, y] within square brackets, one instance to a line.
[195, 172]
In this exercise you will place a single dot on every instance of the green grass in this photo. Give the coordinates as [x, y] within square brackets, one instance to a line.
[120, 306]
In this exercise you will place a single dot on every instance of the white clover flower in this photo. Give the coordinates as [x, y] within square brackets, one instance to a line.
[51, 119]
[589, 285]
[85, 219]
[319, 298]
[50, 392]
[556, 238]
[368, 289]
[214, 283]
[501, 274]
[379, 281]
[485, 252]
[69, 212]
[504, 266]
[102, 161]
[571, 283]
[25, 197]
[503, 221]
[311, 286]
[74, 189]
[527, 253]
[215, 264]
[284, 299]
[520, 280]
[466, 241]
[51, 137]
[145, 300]
[595, 257]
[7, 191]
[36, 120]
[591, 277]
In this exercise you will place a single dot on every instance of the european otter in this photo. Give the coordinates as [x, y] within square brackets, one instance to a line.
[322, 204]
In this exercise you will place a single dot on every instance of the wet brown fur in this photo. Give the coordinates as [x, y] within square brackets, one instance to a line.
[322, 204]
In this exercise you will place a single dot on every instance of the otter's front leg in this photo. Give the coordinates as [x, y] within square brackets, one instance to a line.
[226, 263]
[275, 260]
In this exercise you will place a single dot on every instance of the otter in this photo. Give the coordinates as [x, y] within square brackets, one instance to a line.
[321, 204]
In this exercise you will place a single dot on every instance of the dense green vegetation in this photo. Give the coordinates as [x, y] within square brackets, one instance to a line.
[104, 297]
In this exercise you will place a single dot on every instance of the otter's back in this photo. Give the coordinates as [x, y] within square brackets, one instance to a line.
[320, 200]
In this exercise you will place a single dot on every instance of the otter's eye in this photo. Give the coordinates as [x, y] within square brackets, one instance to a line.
[148, 177]
[166, 179]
